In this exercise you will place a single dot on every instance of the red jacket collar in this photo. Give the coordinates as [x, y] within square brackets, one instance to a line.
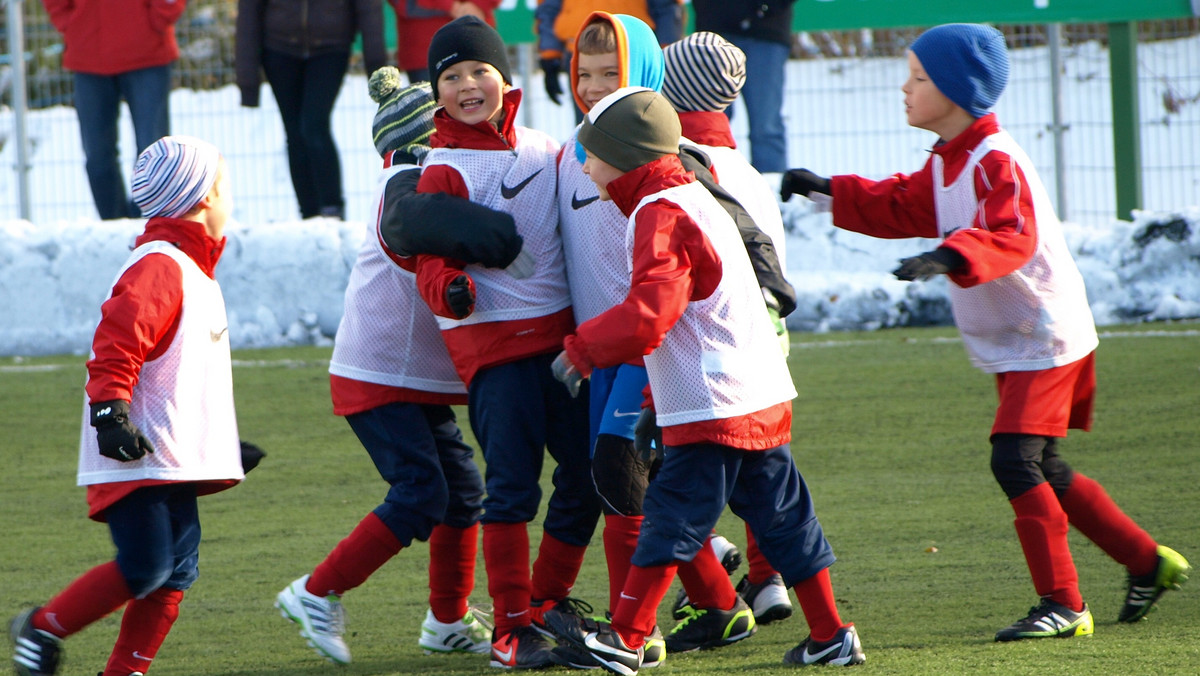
[451, 133]
[189, 237]
[629, 189]
[971, 136]
[707, 128]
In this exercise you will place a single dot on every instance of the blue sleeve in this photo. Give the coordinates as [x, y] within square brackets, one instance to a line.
[544, 16]
[667, 16]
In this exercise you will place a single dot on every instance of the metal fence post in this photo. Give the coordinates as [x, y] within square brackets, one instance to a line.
[1056, 124]
[16, 46]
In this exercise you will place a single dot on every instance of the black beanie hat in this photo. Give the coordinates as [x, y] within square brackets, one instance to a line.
[467, 38]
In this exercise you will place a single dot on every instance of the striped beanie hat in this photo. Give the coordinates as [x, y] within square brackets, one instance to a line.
[705, 73]
[173, 174]
[404, 120]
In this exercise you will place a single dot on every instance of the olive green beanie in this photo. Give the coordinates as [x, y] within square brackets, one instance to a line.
[631, 127]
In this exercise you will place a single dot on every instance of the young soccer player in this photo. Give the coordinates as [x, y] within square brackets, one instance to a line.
[1020, 304]
[502, 334]
[160, 393]
[391, 377]
[720, 385]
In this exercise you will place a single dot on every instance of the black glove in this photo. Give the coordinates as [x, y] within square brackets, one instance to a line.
[116, 434]
[251, 456]
[647, 436]
[937, 262]
[459, 296]
[802, 182]
[552, 68]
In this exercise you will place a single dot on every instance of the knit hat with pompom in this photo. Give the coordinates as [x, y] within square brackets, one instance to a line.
[404, 120]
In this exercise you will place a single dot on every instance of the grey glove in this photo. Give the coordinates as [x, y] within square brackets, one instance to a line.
[937, 262]
[565, 372]
[523, 265]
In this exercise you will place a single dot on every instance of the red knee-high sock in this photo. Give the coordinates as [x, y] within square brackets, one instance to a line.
[143, 628]
[370, 545]
[818, 605]
[92, 596]
[760, 568]
[506, 558]
[451, 570]
[636, 614]
[1093, 512]
[1041, 527]
[555, 569]
[620, 541]
[706, 582]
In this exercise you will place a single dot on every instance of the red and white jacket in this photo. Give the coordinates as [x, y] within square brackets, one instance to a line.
[107, 37]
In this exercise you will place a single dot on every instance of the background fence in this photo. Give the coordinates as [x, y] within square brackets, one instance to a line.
[829, 127]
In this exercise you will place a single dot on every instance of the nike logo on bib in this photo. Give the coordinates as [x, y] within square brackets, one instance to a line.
[215, 335]
[509, 192]
[578, 204]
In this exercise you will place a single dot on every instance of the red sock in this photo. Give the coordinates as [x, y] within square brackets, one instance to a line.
[370, 545]
[1041, 527]
[143, 628]
[92, 596]
[818, 605]
[760, 569]
[451, 570]
[506, 558]
[1093, 512]
[555, 569]
[706, 582]
[636, 614]
[620, 541]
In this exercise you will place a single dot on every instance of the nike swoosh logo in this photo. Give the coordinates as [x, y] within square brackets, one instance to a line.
[624, 414]
[216, 335]
[578, 204]
[139, 656]
[509, 192]
[811, 658]
[504, 656]
[627, 596]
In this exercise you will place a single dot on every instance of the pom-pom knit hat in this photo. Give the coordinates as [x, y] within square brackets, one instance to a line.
[467, 38]
[705, 73]
[967, 62]
[173, 174]
[631, 127]
[404, 120]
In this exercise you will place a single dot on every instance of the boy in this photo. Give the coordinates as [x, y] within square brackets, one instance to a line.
[391, 378]
[160, 388]
[720, 385]
[502, 333]
[1019, 301]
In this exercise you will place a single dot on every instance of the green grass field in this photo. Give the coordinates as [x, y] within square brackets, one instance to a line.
[890, 432]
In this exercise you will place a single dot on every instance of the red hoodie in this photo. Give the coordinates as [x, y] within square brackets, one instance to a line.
[107, 37]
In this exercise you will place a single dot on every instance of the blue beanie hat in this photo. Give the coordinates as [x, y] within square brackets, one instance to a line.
[967, 62]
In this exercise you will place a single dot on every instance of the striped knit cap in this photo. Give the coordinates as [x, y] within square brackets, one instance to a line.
[705, 73]
[173, 174]
[404, 120]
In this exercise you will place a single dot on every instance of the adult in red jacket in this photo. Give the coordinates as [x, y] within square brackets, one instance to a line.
[418, 20]
[118, 49]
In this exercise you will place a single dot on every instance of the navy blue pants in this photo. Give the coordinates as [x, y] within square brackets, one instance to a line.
[764, 488]
[157, 533]
[419, 450]
[518, 411]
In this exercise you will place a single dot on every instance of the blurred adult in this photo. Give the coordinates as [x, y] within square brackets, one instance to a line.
[418, 20]
[762, 29]
[303, 47]
[118, 49]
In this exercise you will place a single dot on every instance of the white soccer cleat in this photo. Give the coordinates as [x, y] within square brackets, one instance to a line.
[471, 634]
[322, 620]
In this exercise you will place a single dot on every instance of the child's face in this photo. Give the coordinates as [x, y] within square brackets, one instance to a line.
[472, 92]
[221, 202]
[601, 173]
[924, 104]
[598, 75]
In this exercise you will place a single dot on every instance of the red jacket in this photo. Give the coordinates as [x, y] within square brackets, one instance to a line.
[418, 20]
[707, 128]
[477, 346]
[107, 37]
[674, 263]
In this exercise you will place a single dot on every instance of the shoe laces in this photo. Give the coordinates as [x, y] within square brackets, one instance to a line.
[573, 606]
[690, 613]
[482, 620]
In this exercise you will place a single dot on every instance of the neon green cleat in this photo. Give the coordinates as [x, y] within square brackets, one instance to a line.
[1050, 620]
[1143, 592]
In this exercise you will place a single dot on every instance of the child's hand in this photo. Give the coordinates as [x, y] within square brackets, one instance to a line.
[251, 456]
[460, 296]
[802, 182]
[565, 372]
[937, 262]
[551, 68]
[116, 434]
[647, 436]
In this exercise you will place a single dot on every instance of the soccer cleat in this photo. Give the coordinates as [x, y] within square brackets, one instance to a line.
[711, 628]
[568, 654]
[522, 648]
[471, 634]
[564, 619]
[768, 599]
[843, 650]
[1049, 620]
[609, 650]
[322, 620]
[1171, 572]
[731, 558]
[654, 651]
[37, 652]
